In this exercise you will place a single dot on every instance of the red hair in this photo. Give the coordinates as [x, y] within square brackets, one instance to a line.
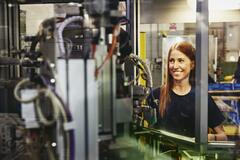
[187, 49]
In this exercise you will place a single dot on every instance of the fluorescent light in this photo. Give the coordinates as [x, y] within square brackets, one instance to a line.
[217, 4]
[179, 39]
[75, 4]
[232, 59]
[71, 4]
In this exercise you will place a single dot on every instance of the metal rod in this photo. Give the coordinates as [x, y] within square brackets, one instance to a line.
[201, 111]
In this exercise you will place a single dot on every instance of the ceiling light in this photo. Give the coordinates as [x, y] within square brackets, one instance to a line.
[217, 4]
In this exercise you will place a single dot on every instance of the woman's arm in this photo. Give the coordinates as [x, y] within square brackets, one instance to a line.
[219, 136]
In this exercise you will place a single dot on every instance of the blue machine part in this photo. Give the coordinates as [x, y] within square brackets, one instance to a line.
[234, 115]
[224, 86]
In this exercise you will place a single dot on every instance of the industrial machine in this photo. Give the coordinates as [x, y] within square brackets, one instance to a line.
[70, 90]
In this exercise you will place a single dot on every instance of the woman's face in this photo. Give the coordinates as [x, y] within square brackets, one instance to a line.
[179, 66]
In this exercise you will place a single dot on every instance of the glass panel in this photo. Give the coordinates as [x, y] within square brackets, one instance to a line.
[224, 70]
[160, 30]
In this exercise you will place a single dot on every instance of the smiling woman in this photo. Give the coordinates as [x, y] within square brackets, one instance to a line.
[176, 108]
[179, 67]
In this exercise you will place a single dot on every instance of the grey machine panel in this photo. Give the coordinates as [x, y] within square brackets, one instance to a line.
[83, 105]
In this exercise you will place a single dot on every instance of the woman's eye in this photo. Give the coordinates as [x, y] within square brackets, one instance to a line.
[171, 61]
[181, 60]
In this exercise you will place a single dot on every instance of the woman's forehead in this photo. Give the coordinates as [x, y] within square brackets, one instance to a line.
[177, 54]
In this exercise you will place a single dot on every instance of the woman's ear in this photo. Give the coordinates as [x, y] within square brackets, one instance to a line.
[192, 65]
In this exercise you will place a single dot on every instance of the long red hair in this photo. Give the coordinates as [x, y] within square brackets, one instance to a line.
[187, 49]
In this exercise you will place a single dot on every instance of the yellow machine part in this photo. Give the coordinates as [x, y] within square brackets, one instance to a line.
[143, 54]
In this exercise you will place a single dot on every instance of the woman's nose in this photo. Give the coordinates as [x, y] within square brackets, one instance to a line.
[175, 65]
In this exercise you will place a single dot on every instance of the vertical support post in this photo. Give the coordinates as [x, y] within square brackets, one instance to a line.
[92, 111]
[215, 57]
[129, 14]
[201, 112]
[132, 15]
[5, 24]
[114, 96]
[16, 25]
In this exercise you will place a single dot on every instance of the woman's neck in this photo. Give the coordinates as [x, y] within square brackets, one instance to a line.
[181, 88]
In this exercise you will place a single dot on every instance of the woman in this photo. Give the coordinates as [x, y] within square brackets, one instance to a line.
[176, 111]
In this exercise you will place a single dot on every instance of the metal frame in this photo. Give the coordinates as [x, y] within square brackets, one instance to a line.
[201, 103]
